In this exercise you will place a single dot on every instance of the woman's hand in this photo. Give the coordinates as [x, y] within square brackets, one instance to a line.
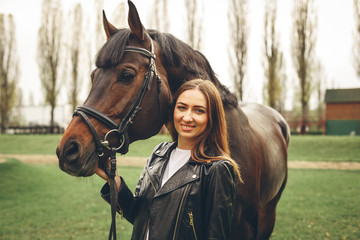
[101, 173]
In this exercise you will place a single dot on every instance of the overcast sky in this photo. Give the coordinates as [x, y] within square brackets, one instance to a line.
[334, 44]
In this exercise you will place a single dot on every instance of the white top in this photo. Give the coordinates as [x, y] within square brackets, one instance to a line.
[178, 158]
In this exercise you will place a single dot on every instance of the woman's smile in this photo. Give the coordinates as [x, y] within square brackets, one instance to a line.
[186, 127]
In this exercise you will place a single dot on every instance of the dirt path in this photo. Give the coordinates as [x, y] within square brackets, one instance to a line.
[52, 159]
[139, 162]
[325, 165]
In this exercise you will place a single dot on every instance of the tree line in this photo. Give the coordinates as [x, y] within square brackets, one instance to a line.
[67, 48]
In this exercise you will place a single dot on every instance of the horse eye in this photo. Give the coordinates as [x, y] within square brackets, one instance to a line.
[126, 76]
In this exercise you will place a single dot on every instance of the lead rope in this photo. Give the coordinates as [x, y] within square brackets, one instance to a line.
[113, 194]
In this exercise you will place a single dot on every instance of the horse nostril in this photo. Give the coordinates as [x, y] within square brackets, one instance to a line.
[72, 151]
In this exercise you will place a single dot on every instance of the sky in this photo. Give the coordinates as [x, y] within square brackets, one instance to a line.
[334, 41]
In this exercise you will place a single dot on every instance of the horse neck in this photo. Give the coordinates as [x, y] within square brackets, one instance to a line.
[182, 63]
[179, 75]
[236, 118]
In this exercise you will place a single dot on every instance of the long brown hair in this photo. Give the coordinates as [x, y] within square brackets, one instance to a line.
[215, 134]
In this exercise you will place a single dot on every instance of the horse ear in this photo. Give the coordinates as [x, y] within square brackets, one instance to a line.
[135, 24]
[110, 30]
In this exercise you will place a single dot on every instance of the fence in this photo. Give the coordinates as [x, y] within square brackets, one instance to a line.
[34, 130]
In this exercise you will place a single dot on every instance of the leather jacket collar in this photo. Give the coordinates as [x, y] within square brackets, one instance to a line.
[186, 174]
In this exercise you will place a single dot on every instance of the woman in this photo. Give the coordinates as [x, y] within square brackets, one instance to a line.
[186, 190]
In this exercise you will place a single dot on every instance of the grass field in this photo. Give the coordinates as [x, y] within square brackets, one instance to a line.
[46, 144]
[306, 148]
[325, 148]
[319, 204]
[41, 202]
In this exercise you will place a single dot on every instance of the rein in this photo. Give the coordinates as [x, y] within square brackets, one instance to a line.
[121, 130]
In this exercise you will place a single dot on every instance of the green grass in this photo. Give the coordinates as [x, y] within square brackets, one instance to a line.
[28, 144]
[325, 148]
[42, 202]
[46, 144]
[144, 148]
[306, 148]
[319, 204]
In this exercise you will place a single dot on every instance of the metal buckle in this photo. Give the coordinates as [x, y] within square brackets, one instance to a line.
[106, 143]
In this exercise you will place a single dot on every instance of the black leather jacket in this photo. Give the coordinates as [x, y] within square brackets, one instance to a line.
[195, 203]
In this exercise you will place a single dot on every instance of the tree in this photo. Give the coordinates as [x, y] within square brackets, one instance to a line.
[95, 37]
[194, 23]
[49, 52]
[356, 52]
[100, 37]
[303, 52]
[119, 14]
[75, 53]
[9, 68]
[238, 42]
[320, 87]
[159, 16]
[273, 57]
[16, 117]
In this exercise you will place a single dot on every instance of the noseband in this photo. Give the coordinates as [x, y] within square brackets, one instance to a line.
[121, 129]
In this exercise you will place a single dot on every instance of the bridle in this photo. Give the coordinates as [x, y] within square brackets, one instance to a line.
[121, 130]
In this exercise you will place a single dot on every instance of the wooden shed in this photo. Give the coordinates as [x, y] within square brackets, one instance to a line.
[342, 111]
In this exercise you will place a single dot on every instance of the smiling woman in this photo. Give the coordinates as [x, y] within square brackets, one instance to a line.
[187, 188]
[198, 119]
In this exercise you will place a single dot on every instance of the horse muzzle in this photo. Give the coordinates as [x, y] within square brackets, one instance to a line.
[73, 162]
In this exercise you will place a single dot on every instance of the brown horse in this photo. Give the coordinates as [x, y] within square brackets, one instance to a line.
[137, 73]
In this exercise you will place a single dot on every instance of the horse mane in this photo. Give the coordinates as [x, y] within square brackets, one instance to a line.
[176, 55]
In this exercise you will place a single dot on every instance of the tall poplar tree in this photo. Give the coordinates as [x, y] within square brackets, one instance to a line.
[356, 44]
[273, 58]
[194, 14]
[9, 68]
[75, 55]
[238, 43]
[49, 52]
[303, 52]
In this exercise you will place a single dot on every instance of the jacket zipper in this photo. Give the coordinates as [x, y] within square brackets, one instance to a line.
[120, 211]
[152, 184]
[192, 223]
[180, 207]
[147, 226]
[147, 229]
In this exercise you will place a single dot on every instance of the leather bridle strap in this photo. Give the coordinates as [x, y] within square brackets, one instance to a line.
[113, 194]
[151, 72]
[98, 145]
[97, 115]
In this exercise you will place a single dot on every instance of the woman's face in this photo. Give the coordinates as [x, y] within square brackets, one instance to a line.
[190, 117]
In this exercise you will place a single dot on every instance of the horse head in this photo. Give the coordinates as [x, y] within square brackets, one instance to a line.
[128, 100]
